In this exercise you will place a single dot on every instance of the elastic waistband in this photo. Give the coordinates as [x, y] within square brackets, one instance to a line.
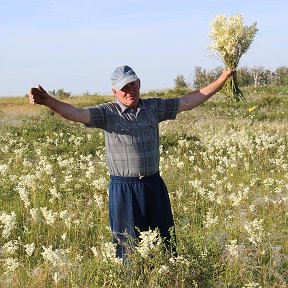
[133, 179]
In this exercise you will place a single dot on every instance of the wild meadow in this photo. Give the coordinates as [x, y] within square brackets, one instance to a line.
[226, 169]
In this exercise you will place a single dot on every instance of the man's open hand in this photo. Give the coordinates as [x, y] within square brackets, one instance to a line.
[38, 95]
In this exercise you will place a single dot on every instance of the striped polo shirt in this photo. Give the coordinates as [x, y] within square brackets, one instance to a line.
[132, 136]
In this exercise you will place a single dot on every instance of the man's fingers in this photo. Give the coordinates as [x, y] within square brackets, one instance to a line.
[31, 99]
[34, 95]
[38, 95]
[31, 96]
[33, 90]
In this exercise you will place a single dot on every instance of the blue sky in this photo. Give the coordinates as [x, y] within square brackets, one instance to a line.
[75, 45]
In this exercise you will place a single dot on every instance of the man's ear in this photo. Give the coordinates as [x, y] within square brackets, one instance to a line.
[114, 91]
[139, 83]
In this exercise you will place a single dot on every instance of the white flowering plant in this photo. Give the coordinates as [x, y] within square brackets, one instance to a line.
[230, 40]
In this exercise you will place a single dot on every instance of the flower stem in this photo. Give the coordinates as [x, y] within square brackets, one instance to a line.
[231, 89]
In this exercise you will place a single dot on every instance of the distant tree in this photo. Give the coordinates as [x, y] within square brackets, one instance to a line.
[87, 93]
[261, 76]
[60, 94]
[281, 76]
[180, 82]
[244, 77]
[257, 71]
[213, 74]
[200, 77]
[266, 77]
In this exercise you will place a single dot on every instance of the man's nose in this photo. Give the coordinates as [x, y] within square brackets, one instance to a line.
[132, 89]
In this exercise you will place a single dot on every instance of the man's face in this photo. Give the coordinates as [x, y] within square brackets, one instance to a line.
[129, 95]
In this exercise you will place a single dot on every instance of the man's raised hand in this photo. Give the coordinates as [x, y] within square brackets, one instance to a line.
[38, 95]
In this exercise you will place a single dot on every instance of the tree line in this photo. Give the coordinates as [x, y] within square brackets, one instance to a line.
[246, 77]
[255, 76]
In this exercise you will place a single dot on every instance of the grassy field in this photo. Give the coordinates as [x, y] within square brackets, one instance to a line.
[226, 169]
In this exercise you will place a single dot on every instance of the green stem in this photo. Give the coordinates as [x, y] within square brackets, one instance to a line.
[231, 89]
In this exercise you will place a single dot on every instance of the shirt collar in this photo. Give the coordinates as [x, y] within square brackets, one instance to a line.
[141, 105]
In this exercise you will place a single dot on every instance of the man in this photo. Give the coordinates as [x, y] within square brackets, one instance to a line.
[138, 198]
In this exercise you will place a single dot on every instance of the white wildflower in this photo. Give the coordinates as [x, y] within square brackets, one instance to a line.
[35, 213]
[8, 223]
[210, 220]
[108, 251]
[57, 257]
[252, 285]
[234, 250]
[49, 216]
[5, 149]
[29, 249]
[252, 207]
[94, 251]
[163, 269]
[239, 197]
[99, 200]
[10, 264]
[75, 140]
[54, 194]
[277, 256]
[24, 195]
[183, 143]
[10, 247]
[255, 231]
[56, 277]
[100, 184]
[3, 169]
[149, 240]
[90, 170]
[44, 166]
[68, 178]
[64, 236]
[28, 181]
[180, 164]
[63, 163]
[179, 260]
[67, 217]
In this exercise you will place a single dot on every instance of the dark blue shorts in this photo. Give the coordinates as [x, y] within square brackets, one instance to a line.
[142, 203]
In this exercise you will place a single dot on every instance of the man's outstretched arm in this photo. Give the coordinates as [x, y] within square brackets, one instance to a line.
[197, 97]
[41, 97]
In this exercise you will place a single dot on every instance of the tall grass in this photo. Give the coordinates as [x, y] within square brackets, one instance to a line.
[225, 168]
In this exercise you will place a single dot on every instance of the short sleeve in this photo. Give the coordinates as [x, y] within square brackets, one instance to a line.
[98, 117]
[167, 109]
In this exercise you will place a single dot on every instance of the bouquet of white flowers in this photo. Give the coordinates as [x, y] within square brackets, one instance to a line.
[230, 40]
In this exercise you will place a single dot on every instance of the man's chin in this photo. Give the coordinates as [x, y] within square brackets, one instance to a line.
[131, 101]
